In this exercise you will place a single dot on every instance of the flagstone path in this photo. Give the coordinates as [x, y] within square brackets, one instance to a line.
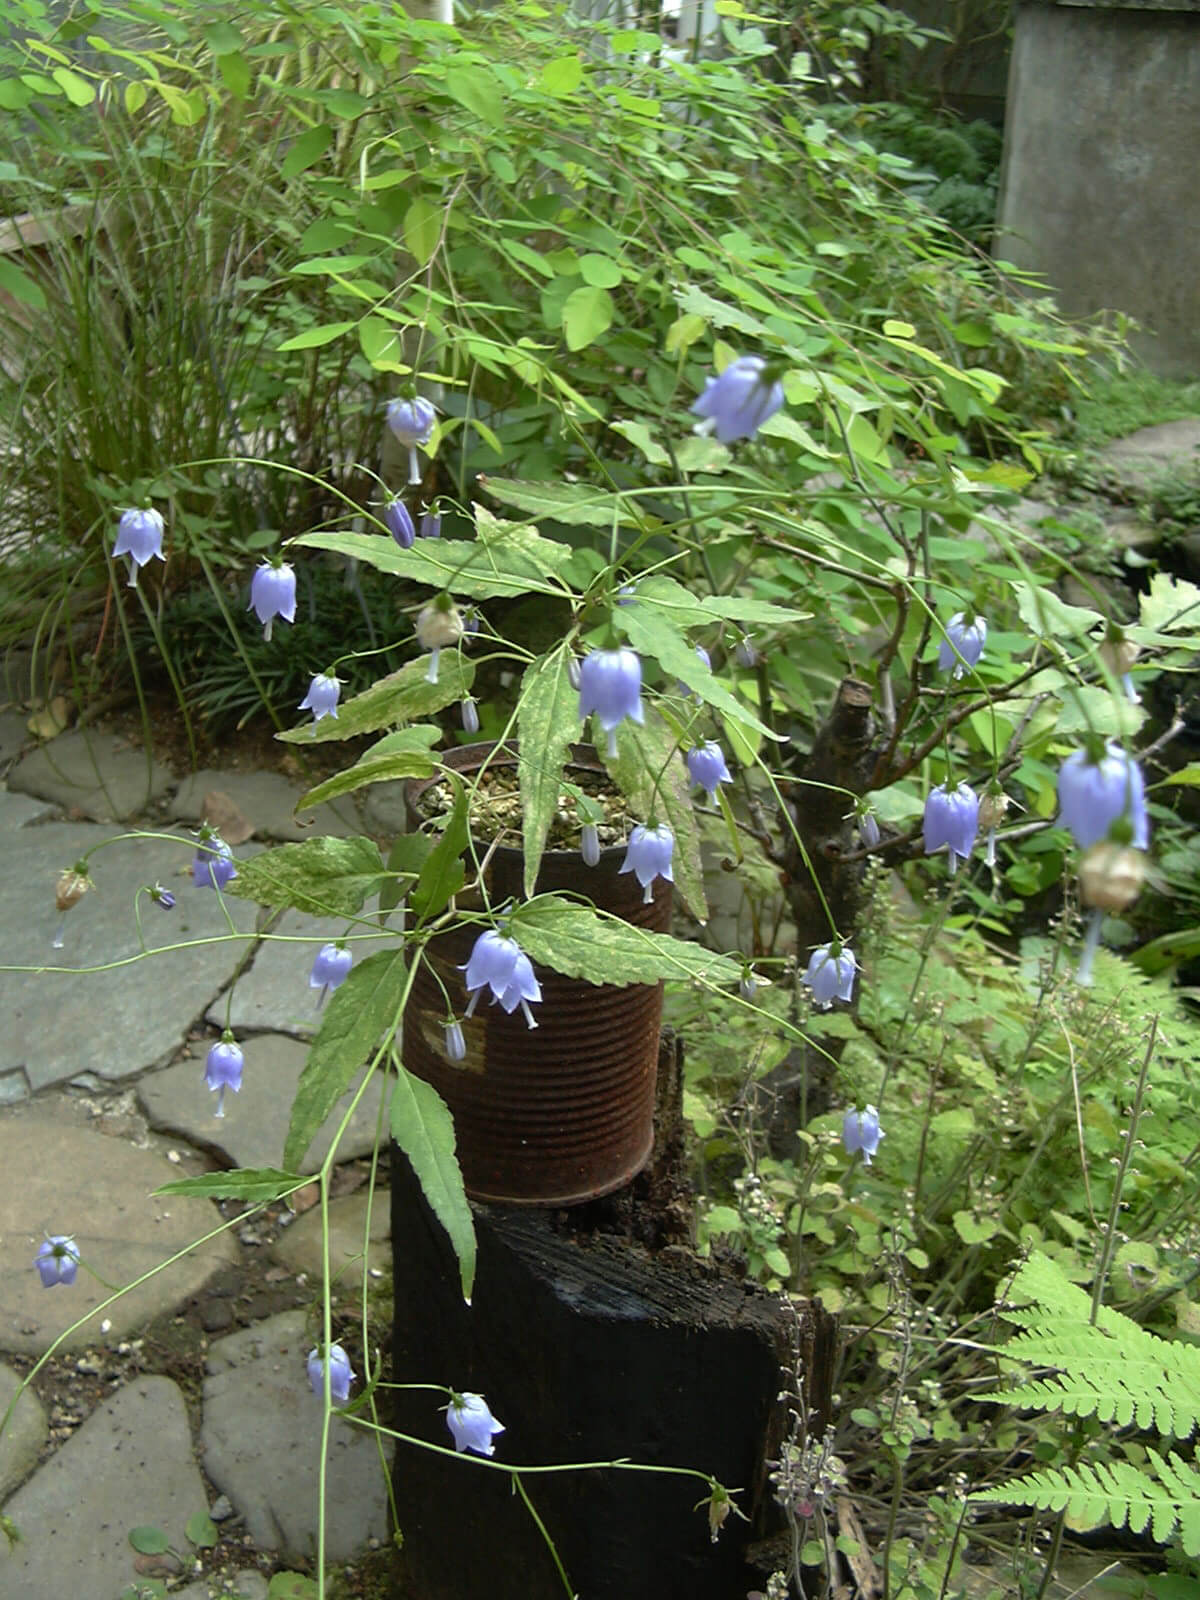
[189, 1393]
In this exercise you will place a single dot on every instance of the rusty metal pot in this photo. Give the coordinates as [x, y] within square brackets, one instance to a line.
[563, 1112]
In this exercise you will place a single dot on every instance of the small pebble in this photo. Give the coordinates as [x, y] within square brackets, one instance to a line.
[221, 1508]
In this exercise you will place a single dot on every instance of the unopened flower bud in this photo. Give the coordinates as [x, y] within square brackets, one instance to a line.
[1111, 876]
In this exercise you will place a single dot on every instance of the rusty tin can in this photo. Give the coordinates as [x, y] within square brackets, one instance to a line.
[563, 1112]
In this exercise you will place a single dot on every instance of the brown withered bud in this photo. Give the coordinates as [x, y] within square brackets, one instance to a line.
[71, 887]
[1111, 876]
[992, 808]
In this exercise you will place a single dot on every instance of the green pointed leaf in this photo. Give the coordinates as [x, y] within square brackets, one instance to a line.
[404, 754]
[476, 90]
[305, 151]
[562, 76]
[202, 1531]
[424, 1129]
[406, 858]
[77, 90]
[649, 632]
[313, 338]
[257, 1186]
[20, 285]
[547, 724]
[687, 610]
[360, 1011]
[587, 313]
[422, 229]
[399, 697]
[149, 1541]
[444, 873]
[638, 434]
[514, 562]
[600, 948]
[643, 754]
[324, 877]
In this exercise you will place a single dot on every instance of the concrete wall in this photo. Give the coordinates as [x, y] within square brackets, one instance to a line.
[1099, 190]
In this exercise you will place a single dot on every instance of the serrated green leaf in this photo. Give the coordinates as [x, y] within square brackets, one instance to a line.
[202, 1531]
[687, 610]
[651, 634]
[600, 948]
[1051, 618]
[444, 873]
[547, 723]
[406, 858]
[257, 1186]
[572, 504]
[646, 754]
[399, 697]
[422, 1126]
[305, 151]
[404, 754]
[422, 229]
[149, 1541]
[515, 561]
[324, 877]
[360, 1011]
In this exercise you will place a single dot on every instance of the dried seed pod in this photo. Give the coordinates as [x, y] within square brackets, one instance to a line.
[1111, 876]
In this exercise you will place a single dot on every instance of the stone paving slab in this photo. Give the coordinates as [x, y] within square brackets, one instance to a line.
[267, 800]
[1150, 453]
[300, 1246]
[273, 995]
[24, 1435]
[270, 1472]
[14, 735]
[20, 810]
[121, 1021]
[94, 773]
[253, 1130]
[129, 1464]
[76, 1181]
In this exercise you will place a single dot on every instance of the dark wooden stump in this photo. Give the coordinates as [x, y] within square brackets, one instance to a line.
[594, 1334]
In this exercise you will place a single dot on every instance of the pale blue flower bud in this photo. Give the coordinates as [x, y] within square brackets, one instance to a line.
[830, 975]
[57, 1260]
[470, 716]
[589, 844]
[456, 1044]
[963, 645]
[861, 1133]
[273, 594]
[412, 420]
[706, 767]
[341, 1374]
[737, 403]
[140, 537]
[330, 969]
[472, 1424]
[648, 855]
[399, 522]
[431, 525]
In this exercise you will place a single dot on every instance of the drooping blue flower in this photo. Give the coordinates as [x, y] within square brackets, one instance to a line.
[861, 1133]
[57, 1260]
[470, 716]
[161, 897]
[431, 524]
[589, 844]
[330, 968]
[737, 403]
[322, 698]
[610, 686]
[868, 829]
[212, 865]
[648, 855]
[341, 1374]
[498, 963]
[963, 645]
[748, 984]
[951, 819]
[746, 652]
[830, 975]
[472, 1424]
[399, 523]
[140, 537]
[1097, 795]
[706, 767]
[411, 420]
[223, 1069]
[456, 1044]
[273, 594]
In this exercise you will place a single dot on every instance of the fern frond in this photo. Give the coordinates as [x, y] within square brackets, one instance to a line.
[1117, 1492]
